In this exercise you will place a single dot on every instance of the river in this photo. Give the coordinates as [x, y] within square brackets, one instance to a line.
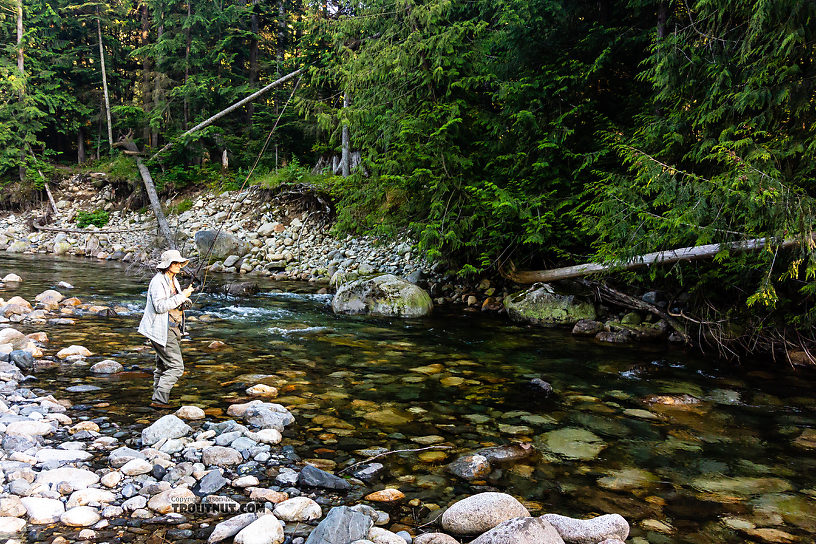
[734, 465]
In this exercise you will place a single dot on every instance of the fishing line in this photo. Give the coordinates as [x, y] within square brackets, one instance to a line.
[232, 208]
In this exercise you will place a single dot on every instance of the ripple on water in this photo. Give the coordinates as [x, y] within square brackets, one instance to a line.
[250, 312]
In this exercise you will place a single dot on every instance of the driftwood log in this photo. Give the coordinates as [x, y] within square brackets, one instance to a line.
[657, 257]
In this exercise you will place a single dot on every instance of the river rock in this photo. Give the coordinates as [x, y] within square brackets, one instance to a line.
[298, 509]
[385, 495]
[74, 350]
[262, 390]
[108, 366]
[41, 510]
[385, 295]
[264, 417]
[11, 278]
[587, 327]
[221, 456]
[29, 428]
[89, 495]
[523, 530]
[10, 526]
[190, 413]
[219, 245]
[572, 443]
[314, 477]
[164, 501]
[210, 483]
[481, 512]
[168, 427]
[470, 467]
[266, 436]
[508, 454]
[11, 506]
[50, 455]
[78, 478]
[231, 527]
[435, 538]
[264, 530]
[18, 246]
[543, 306]
[22, 359]
[11, 336]
[378, 535]
[134, 467]
[49, 297]
[589, 531]
[80, 516]
[341, 524]
[120, 456]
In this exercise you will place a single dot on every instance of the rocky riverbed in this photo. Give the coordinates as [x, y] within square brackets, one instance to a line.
[186, 476]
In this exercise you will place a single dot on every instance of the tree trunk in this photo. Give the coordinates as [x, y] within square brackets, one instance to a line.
[155, 203]
[81, 146]
[662, 17]
[188, 43]
[229, 109]
[158, 84]
[253, 60]
[657, 257]
[345, 136]
[104, 81]
[146, 87]
[281, 35]
[21, 68]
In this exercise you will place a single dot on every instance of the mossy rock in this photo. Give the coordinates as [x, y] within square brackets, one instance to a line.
[542, 306]
[385, 295]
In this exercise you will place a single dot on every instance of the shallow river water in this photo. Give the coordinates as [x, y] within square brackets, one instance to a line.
[734, 467]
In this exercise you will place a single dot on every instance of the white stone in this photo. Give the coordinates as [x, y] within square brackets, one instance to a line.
[74, 350]
[10, 526]
[267, 436]
[190, 412]
[378, 535]
[41, 510]
[264, 530]
[29, 428]
[46, 455]
[479, 513]
[78, 478]
[11, 278]
[134, 467]
[168, 427]
[298, 509]
[111, 479]
[89, 495]
[231, 527]
[80, 516]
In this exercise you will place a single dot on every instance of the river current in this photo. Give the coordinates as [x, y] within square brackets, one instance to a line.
[738, 465]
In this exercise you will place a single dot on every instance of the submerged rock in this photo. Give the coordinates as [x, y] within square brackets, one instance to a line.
[385, 295]
[314, 477]
[341, 524]
[572, 443]
[542, 306]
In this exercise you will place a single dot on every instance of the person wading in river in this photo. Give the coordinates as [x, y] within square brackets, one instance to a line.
[163, 323]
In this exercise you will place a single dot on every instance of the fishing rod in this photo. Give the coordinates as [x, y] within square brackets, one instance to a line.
[246, 180]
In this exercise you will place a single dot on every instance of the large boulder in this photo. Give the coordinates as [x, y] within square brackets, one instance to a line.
[385, 295]
[219, 245]
[168, 427]
[542, 306]
[481, 512]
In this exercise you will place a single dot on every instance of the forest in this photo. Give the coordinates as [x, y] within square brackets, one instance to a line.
[501, 134]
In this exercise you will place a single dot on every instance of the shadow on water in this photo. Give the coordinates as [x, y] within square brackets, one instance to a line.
[355, 383]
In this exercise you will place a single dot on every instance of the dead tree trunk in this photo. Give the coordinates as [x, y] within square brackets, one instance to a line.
[21, 67]
[104, 80]
[127, 143]
[345, 137]
[231, 108]
[658, 257]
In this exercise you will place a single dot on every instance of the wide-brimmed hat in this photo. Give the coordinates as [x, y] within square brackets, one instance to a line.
[169, 257]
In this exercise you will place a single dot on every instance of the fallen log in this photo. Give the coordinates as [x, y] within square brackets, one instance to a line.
[657, 257]
[224, 112]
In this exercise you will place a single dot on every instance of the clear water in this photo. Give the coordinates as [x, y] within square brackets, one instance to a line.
[703, 471]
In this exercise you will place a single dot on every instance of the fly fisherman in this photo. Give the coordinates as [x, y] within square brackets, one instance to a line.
[163, 323]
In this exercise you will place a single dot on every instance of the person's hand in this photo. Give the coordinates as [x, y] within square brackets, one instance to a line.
[187, 292]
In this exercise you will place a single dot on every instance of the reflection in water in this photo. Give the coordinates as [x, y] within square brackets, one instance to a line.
[731, 457]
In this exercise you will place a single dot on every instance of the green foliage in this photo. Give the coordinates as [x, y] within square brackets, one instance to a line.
[98, 218]
[181, 207]
[290, 174]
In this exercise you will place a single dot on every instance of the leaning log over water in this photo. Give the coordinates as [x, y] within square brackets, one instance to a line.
[657, 257]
